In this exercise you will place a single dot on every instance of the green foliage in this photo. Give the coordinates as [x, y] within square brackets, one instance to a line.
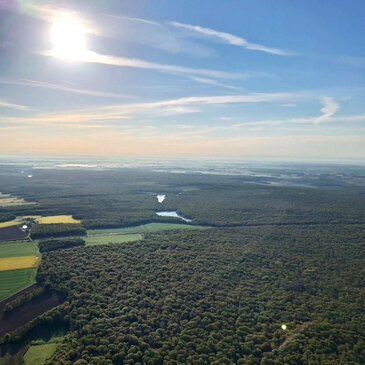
[57, 244]
[118, 198]
[217, 296]
[4, 217]
[57, 230]
[22, 299]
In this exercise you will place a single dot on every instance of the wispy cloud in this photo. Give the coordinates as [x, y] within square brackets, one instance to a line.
[330, 107]
[47, 85]
[8, 104]
[229, 39]
[204, 80]
[118, 112]
[93, 57]
[150, 33]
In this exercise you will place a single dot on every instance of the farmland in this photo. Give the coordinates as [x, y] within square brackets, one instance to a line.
[53, 219]
[17, 263]
[57, 219]
[144, 228]
[7, 200]
[12, 233]
[11, 223]
[15, 280]
[103, 239]
[130, 234]
[254, 258]
[15, 249]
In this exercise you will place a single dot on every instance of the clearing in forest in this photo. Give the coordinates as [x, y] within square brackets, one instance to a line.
[39, 354]
[144, 228]
[104, 239]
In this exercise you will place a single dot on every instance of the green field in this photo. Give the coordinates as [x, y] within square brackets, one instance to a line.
[16, 249]
[145, 228]
[15, 280]
[38, 354]
[104, 239]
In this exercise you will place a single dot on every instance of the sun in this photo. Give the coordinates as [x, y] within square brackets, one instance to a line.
[68, 38]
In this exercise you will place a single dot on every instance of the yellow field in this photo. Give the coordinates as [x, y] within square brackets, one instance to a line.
[16, 263]
[54, 219]
[12, 201]
[9, 223]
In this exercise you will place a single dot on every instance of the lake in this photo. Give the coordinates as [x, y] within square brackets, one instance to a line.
[173, 215]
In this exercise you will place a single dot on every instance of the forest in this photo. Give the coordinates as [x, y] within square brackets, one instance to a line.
[124, 197]
[277, 275]
[215, 297]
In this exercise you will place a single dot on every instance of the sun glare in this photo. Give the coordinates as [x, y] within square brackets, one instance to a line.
[68, 38]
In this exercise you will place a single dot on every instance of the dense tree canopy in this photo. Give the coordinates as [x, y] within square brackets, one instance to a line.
[215, 297]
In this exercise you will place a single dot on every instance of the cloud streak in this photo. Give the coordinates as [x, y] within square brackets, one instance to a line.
[230, 39]
[47, 85]
[7, 104]
[93, 57]
[117, 112]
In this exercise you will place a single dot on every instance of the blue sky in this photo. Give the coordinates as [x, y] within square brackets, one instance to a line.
[243, 79]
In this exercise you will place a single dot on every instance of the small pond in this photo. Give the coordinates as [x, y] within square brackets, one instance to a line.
[173, 215]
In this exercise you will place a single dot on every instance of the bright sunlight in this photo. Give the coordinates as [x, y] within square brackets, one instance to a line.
[68, 38]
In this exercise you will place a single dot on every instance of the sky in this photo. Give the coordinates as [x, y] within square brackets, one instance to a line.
[223, 79]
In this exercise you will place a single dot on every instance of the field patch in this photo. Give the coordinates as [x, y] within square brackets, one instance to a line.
[7, 200]
[104, 239]
[144, 228]
[15, 280]
[12, 233]
[51, 219]
[16, 249]
[57, 219]
[17, 263]
[39, 354]
[11, 223]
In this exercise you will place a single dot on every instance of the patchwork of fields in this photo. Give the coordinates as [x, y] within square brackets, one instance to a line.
[12, 277]
[130, 234]
[52, 219]
[19, 260]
